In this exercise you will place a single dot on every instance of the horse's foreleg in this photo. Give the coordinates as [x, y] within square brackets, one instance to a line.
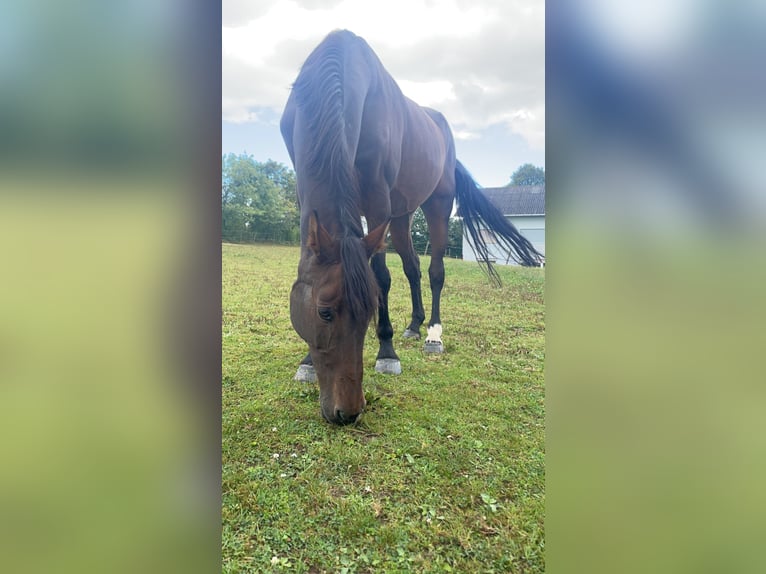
[411, 266]
[402, 240]
[387, 360]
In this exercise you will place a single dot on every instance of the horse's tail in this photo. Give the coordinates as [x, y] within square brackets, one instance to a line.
[480, 217]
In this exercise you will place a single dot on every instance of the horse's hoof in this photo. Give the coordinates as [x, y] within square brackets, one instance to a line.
[434, 339]
[388, 366]
[305, 373]
[410, 334]
[434, 347]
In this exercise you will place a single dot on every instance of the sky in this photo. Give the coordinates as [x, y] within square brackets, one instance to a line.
[479, 62]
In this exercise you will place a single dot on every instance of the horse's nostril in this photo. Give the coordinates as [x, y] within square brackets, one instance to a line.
[342, 418]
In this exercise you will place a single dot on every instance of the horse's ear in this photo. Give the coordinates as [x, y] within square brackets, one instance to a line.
[375, 240]
[319, 239]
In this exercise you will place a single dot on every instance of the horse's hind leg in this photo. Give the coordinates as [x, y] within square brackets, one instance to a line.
[401, 237]
[437, 210]
[387, 361]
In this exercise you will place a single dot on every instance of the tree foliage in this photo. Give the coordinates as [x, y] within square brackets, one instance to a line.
[258, 200]
[421, 239]
[528, 174]
[258, 203]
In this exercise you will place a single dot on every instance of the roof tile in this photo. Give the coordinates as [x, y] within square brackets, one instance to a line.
[518, 199]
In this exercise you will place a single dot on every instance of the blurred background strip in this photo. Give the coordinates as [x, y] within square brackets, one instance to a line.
[655, 282]
[110, 286]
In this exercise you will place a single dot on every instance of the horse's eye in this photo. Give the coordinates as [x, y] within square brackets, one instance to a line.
[325, 313]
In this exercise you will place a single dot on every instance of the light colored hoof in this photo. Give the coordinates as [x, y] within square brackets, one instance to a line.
[434, 339]
[305, 373]
[434, 347]
[388, 366]
[410, 334]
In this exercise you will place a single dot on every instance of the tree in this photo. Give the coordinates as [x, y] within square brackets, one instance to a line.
[421, 238]
[419, 229]
[455, 235]
[257, 200]
[528, 174]
[284, 178]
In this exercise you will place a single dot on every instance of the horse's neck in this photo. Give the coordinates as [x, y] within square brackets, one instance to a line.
[328, 213]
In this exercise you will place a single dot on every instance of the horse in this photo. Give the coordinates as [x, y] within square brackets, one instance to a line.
[360, 148]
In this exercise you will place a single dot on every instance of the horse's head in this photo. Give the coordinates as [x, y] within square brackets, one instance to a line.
[331, 305]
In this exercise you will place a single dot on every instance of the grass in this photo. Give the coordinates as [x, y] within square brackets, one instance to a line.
[445, 471]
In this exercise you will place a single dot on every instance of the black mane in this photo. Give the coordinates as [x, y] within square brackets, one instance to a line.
[320, 93]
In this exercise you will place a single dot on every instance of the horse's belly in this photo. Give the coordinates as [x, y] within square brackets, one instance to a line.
[418, 177]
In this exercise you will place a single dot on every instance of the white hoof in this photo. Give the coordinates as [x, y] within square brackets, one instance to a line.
[388, 366]
[305, 373]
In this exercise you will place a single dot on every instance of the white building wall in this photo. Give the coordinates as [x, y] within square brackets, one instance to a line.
[530, 226]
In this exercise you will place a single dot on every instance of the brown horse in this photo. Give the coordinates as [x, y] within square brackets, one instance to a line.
[361, 148]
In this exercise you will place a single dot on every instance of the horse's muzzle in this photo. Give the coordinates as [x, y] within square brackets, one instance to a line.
[340, 417]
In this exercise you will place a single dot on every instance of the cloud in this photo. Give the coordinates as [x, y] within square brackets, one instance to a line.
[238, 111]
[465, 135]
[318, 4]
[481, 63]
[429, 93]
[235, 13]
[250, 87]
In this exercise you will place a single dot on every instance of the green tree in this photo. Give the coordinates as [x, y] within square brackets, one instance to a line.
[528, 174]
[455, 235]
[257, 200]
[284, 178]
[419, 229]
[421, 239]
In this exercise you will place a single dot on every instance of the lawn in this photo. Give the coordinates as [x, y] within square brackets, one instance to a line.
[445, 472]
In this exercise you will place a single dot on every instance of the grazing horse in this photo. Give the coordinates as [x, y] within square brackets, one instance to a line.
[361, 148]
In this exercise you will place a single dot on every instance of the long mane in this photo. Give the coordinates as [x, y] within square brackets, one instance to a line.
[320, 92]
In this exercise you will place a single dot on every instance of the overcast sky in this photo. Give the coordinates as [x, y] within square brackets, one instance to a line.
[480, 62]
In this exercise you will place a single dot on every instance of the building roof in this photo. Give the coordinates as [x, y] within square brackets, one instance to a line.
[518, 199]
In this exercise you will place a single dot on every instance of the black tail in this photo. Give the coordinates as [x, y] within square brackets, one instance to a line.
[480, 216]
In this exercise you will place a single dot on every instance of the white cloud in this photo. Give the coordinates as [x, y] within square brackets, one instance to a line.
[479, 62]
[466, 135]
[428, 93]
[239, 12]
[238, 111]
[529, 124]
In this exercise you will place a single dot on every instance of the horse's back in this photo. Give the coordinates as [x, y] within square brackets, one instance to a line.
[398, 149]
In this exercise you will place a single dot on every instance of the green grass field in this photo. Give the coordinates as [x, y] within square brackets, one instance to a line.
[445, 471]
